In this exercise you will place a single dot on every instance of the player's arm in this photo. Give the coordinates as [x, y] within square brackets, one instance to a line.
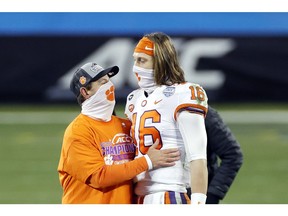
[192, 129]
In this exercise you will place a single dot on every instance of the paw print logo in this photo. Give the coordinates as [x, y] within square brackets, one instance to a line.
[108, 159]
[110, 94]
[82, 80]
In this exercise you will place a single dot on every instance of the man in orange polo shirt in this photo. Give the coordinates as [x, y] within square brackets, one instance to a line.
[96, 162]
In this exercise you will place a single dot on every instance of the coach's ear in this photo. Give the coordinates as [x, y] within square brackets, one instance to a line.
[84, 92]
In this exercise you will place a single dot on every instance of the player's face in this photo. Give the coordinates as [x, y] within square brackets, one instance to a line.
[143, 60]
[97, 84]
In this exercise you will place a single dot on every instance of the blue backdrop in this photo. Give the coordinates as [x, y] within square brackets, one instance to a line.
[132, 23]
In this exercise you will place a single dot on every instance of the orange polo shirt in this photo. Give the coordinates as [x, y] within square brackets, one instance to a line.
[93, 164]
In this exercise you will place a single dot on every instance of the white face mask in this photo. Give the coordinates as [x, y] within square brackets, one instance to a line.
[145, 77]
[101, 104]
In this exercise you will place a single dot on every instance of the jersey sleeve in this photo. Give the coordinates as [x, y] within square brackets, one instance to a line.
[193, 98]
[194, 135]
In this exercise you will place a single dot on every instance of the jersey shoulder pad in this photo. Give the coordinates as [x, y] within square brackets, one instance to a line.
[196, 92]
[192, 96]
[132, 95]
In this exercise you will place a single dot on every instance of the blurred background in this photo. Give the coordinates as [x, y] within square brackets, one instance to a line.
[239, 58]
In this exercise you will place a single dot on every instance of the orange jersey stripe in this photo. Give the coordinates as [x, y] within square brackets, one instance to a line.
[194, 108]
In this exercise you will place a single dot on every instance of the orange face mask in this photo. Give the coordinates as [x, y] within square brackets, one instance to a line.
[145, 46]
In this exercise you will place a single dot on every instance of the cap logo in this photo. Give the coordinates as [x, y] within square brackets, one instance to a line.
[82, 80]
[96, 68]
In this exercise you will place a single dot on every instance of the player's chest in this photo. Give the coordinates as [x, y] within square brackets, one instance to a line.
[152, 112]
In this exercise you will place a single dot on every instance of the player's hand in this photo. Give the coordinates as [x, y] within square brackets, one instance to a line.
[163, 158]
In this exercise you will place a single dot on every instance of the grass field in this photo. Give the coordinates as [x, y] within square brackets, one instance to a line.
[31, 138]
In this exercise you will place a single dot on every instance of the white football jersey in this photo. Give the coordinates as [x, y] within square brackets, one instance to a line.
[155, 116]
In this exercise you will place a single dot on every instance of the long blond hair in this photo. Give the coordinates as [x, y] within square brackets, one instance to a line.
[167, 70]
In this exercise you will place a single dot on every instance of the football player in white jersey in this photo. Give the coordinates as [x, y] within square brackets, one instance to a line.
[169, 109]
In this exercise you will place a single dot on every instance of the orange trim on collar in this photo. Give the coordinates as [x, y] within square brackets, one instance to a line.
[145, 45]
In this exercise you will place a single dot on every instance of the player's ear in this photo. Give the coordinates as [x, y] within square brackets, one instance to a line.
[84, 92]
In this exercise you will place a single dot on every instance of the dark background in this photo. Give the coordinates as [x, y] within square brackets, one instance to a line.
[37, 49]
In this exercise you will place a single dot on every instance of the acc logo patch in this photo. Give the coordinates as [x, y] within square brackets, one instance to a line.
[120, 150]
[82, 80]
[121, 138]
[169, 91]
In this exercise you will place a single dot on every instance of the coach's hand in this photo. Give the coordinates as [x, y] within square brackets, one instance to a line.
[163, 158]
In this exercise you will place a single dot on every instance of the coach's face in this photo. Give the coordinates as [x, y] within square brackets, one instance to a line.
[98, 83]
[94, 87]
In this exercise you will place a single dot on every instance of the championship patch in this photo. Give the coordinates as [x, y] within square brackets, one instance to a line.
[169, 91]
[120, 150]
